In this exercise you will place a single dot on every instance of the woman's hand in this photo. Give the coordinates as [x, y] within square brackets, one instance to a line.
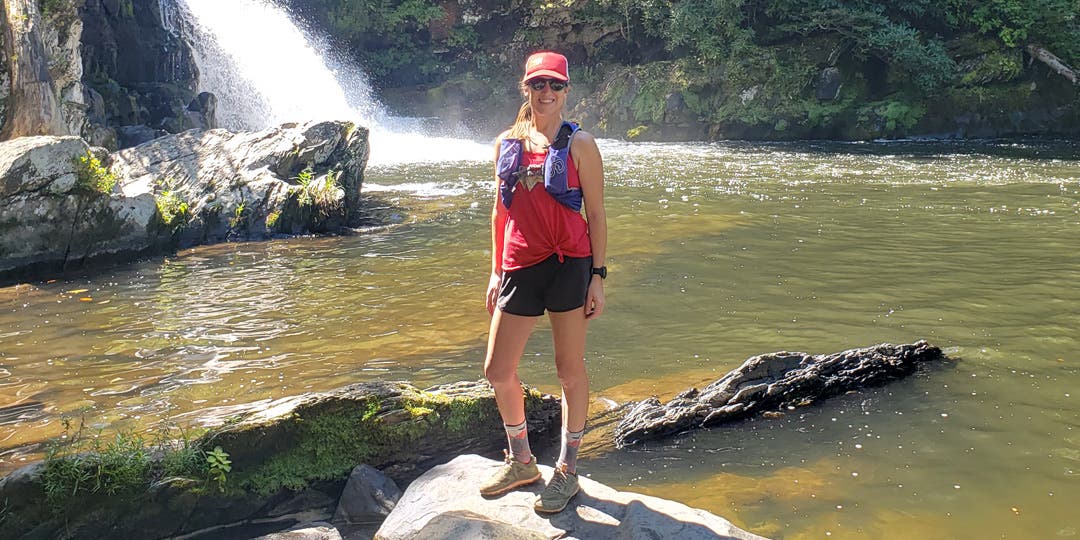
[493, 292]
[594, 300]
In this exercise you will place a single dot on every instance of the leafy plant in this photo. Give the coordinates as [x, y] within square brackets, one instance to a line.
[239, 213]
[219, 466]
[92, 176]
[173, 209]
[272, 219]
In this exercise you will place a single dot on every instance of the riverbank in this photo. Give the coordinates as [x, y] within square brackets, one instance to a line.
[286, 465]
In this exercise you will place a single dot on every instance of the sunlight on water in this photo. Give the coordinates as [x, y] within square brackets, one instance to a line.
[718, 252]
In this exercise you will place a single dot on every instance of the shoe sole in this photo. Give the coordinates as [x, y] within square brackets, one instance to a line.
[543, 510]
[511, 487]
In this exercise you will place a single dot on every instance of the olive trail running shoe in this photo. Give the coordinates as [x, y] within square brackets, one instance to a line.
[510, 475]
[562, 487]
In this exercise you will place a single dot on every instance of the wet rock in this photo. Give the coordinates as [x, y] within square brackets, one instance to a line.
[367, 499]
[446, 503]
[827, 86]
[771, 382]
[129, 136]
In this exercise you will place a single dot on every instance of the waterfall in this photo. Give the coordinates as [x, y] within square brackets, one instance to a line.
[266, 71]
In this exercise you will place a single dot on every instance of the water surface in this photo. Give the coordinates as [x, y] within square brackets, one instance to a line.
[718, 252]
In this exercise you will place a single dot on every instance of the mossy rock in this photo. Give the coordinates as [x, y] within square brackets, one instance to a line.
[278, 448]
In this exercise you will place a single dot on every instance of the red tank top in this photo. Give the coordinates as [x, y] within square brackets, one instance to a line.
[537, 226]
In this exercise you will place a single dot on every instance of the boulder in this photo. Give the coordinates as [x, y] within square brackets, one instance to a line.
[445, 502]
[367, 499]
[828, 83]
[52, 217]
[771, 382]
[197, 187]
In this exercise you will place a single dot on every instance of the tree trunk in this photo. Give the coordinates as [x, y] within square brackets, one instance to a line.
[1054, 62]
[33, 107]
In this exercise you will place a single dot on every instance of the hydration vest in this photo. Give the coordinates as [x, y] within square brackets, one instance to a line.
[556, 181]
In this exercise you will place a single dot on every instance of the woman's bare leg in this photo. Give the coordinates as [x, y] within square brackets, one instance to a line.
[568, 332]
[506, 343]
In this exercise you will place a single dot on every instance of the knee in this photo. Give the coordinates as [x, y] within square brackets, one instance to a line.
[572, 374]
[499, 375]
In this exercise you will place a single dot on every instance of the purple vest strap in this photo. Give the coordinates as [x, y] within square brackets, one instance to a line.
[556, 169]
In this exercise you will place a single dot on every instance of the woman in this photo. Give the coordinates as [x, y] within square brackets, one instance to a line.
[545, 257]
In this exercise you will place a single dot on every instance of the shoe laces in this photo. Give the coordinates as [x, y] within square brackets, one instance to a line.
[560, 476]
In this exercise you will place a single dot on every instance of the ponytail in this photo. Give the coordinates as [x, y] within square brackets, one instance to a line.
[520, 129]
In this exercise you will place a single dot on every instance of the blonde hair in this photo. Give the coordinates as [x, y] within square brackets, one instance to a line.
[520, 129]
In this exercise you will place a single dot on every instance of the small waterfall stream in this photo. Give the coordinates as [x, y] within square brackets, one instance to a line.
[267, 70]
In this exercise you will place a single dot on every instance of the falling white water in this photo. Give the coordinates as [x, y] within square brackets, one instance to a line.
[265, 70]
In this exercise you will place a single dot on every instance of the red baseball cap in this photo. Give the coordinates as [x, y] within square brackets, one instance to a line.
[546, 64]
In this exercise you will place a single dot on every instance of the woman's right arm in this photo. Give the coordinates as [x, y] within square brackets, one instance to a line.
[498, 230]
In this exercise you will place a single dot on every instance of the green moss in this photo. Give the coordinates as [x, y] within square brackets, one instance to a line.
[331, 442]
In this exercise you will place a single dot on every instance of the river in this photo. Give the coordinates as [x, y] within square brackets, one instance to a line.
[717, 252]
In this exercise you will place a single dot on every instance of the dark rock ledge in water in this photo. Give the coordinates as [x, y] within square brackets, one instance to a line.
[64, 204]
[771, 382]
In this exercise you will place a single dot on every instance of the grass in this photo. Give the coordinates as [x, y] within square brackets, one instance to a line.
[84, 463]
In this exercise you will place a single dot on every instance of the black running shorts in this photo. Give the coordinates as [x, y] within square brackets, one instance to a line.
[550, 284]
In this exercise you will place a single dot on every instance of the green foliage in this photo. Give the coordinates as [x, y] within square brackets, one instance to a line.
[891, 117]
[272, 219]
[52, 7]
[996, 66]
[181, 457]
[172, 209]
[94, 465]
[710, 29]
[636, 132]
[219, 466]
[83, 463]
[463, 37]
[92, 176]
[388, 38]
[331, 443]
[239, 216]
[318, 192]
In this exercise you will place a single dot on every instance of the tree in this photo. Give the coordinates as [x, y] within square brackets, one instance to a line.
[33, 107]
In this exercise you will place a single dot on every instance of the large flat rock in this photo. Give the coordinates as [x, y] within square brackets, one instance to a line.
[447, 498]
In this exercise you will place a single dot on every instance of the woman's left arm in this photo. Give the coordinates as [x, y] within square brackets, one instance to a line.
[590, 168]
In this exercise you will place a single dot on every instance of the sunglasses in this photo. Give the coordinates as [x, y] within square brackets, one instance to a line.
[539, 84]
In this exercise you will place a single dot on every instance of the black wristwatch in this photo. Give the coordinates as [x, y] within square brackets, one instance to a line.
[602, 272]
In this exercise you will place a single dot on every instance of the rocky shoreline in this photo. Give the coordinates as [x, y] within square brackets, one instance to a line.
[329, 464]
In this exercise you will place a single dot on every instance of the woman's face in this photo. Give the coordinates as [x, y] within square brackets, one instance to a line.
[546, 101]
